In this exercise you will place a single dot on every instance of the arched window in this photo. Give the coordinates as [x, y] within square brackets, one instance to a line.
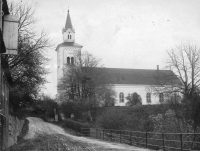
[69, 36]
[121, 97]
[68, 60]
[161, 99]
[148, 97]
[72, 60]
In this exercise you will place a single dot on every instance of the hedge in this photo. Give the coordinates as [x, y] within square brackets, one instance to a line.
[75, 125]
[134, 118]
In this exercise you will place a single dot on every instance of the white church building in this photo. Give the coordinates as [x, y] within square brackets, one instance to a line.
[124, 81]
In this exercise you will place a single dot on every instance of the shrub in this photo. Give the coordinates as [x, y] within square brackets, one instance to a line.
[134, 118]
[75, 125]
[169, 123]
[134, 99]
[112, 119]
[45, 107]
[67, 108]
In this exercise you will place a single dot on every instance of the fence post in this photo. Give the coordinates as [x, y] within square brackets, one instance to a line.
[120, 136]
[100, 133]
[181, 136]
[111, 135]
[146, 139]
[130, 138]
[103, 134]
[81, 132]
[163, 139]
[47, 144]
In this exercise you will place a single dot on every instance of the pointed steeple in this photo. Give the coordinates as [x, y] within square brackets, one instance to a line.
[68, 31]
[68, 22]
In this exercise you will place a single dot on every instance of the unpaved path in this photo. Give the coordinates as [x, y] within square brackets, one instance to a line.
[47, 136]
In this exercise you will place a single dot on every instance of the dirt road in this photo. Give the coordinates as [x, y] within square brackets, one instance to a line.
[46, 136]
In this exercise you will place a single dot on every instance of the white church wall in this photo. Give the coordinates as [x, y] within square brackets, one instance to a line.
[63, 53]
[59, 71]
[69, 52]
[129, 89]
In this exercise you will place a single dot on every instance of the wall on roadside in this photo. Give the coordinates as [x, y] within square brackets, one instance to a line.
[15, 128]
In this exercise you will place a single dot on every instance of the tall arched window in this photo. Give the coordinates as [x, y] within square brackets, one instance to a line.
[121, 97]
[148, 97]
[68, 61]
[72, 60]
[161, 98]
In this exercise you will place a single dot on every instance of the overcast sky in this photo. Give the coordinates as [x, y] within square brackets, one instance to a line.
[123, 33]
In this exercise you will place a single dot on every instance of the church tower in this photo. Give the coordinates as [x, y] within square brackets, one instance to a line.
[68, 32]
[66, 51]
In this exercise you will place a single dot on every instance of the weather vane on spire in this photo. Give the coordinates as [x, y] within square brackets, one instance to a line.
[68, 9]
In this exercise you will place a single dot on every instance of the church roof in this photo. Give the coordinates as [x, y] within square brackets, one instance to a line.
[69, 44]
[68, 24]
[138, 76]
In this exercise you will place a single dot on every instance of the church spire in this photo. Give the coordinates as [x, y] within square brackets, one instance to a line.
[68, 22]
[68, 31]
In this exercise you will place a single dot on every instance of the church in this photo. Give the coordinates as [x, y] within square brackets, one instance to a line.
[124, 81]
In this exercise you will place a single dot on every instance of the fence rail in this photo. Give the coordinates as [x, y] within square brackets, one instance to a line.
[153, 140]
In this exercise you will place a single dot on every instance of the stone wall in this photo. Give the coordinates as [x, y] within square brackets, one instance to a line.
[15, 128]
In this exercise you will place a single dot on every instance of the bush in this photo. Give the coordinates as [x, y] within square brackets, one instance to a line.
[44, 108]
[134, 99]
[135, 118]
[112, 119]
[67, 108]
[76, 107]
[75, 125]
[169, 123]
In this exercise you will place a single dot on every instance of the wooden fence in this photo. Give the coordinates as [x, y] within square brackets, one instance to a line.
[152, 140]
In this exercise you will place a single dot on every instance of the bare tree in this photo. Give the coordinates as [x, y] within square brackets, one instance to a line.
[27, 68]
[78, 80]
[184, 60]
[183, 78]
[83, 81]
[106, 95]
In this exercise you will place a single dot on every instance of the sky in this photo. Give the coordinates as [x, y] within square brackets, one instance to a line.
[132, 34]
